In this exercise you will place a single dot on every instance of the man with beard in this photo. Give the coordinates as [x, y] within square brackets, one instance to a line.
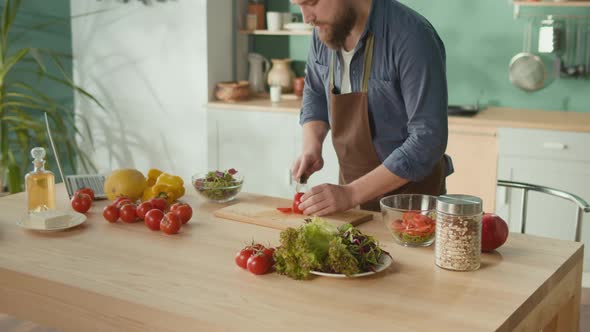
[376, 79]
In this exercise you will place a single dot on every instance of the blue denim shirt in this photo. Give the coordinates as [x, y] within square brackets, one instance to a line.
[407, 89]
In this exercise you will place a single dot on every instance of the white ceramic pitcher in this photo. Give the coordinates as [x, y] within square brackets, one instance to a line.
[259, 67]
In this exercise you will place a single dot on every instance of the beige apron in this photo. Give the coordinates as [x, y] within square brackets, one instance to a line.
[351, 135]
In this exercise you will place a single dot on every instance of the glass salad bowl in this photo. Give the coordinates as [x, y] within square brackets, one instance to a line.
[410, 218]
[218, 186]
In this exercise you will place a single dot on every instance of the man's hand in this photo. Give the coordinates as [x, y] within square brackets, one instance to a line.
[310, 160]
[327, 198]
[307, 164]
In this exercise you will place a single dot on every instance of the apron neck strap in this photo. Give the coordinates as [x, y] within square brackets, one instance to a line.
[368, 61]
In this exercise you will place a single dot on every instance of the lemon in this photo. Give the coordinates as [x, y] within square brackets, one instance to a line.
[125, 182]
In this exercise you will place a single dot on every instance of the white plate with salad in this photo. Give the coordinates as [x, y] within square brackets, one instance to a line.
[320, 248]
[384, 262]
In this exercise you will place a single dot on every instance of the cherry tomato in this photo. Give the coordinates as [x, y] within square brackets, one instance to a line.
[86, 191]
[170, 224]
[242, 257]
[152, 219]
[183, 211]
[159, 203]
[128, 213]
[111, 213]
[119, 202]
[81, 203]
[296, 202]
[259, 264]
[285, 210]
[269, 252]
[143, 208]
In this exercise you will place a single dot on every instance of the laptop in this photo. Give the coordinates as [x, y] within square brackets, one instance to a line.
[75, 182]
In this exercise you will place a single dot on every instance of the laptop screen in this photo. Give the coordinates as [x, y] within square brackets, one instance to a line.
[75, 182]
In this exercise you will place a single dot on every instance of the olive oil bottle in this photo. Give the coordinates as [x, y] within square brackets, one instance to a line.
[40, 184]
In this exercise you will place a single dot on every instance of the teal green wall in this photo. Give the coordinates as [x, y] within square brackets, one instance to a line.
[480, 38]
[57, 37]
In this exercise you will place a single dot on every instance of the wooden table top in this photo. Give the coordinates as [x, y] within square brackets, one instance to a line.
[102, 276]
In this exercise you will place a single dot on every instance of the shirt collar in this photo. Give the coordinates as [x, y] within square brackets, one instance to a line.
[368, 25]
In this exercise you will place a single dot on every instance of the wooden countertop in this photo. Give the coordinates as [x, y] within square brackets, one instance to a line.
[110, 277]
[286, 105]
[490, 117]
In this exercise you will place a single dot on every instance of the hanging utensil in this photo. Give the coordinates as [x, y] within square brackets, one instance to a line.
[570, 66]
[588, 49]
[551, 42]
[581, 66]
[550, 35]
[526, 70]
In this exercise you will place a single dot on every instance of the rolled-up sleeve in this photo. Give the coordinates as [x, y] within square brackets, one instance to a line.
[420, 62]
[314, 105]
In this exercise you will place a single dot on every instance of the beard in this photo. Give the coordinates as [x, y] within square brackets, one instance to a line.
[334, 34]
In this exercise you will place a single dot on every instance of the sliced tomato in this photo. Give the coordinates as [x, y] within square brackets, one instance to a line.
[285, 210]
[398, 225]
[415, 224]
[425, 229]
[409, 215]
[420, 218]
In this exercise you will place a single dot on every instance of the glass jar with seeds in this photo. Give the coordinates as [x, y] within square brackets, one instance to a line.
[458, 232]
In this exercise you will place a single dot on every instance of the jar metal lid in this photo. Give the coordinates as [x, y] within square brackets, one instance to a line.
[464, 205]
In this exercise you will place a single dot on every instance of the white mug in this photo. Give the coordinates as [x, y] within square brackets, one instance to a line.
[274, 21]
[275, 93]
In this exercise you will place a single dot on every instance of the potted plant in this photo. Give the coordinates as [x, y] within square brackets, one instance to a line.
[22, 104]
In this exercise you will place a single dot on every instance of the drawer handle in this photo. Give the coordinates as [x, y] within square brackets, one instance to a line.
[554, 146]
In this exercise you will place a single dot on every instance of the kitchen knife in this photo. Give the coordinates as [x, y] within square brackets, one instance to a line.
[301, 185]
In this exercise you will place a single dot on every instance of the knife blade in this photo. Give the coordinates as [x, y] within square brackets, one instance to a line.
[301, 185]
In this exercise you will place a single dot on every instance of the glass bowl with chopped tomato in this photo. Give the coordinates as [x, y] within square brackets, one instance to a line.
[218, 186]
[410, 218]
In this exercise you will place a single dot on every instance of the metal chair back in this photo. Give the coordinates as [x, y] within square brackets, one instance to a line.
[581, 205]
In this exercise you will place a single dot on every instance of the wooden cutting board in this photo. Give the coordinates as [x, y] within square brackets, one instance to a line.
[263, 211]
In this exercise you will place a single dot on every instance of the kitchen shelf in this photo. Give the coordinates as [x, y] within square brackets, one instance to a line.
[289, 104]
[277, 33]
[547, 4]
[553, 3]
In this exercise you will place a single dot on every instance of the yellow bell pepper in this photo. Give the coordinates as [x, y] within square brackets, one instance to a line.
[152, 176]
[169, 179]
[167, 186]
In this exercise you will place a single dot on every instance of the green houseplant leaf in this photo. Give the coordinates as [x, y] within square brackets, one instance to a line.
[22, 104]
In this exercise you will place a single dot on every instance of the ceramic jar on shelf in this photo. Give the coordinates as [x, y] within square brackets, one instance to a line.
[281, 75]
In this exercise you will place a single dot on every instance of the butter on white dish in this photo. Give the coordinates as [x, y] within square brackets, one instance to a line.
[49, 219]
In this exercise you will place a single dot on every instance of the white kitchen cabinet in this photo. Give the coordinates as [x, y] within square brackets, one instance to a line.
[260, 145]
[555, 159]
[263, 146]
